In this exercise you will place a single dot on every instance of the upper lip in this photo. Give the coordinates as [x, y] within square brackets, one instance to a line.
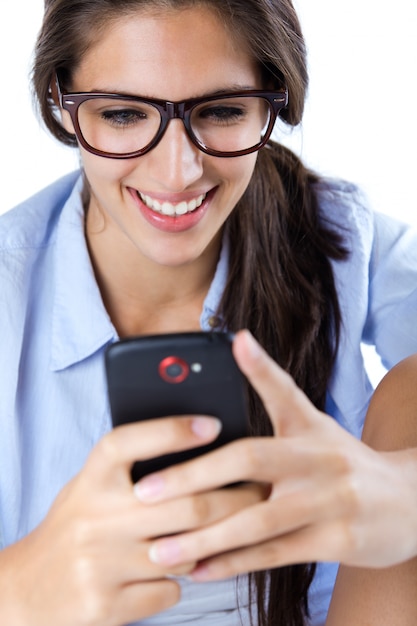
[173, 198]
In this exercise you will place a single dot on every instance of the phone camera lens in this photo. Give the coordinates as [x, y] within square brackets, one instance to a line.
[172, 369]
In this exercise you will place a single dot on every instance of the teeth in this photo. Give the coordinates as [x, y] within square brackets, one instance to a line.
[167, 208]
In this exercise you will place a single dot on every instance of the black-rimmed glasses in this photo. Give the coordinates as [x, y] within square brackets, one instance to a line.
[123, 127]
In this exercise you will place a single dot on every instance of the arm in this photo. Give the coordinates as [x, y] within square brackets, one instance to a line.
[382, 597]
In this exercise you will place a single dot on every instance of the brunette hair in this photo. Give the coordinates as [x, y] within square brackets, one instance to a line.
[280, 284]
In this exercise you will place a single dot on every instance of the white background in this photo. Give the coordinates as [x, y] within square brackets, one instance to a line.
[360, 121]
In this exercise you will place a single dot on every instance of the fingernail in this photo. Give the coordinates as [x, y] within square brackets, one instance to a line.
[206, 427]
[149, 489]
[165, 552]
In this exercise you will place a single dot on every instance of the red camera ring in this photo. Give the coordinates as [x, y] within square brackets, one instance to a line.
[168, 362]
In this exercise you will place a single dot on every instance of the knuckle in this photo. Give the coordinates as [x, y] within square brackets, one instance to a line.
[252, 455]
[82, 535]
[342, 461]
[92, 609]
[177, 434]
[350, 499]
[349, 492]
[108, 448]
[263, 523]
[93, 604]
[270, 553]
[344, 540]
[176, 430]
[199, 510]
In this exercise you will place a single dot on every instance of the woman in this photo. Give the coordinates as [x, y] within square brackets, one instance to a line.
[192, 224]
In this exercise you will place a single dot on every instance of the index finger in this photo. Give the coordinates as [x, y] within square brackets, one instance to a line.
[126, 444]
[288, 407]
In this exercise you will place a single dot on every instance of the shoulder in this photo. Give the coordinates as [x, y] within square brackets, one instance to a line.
[344, 205]
[28, 234]
[347, 208]
[30, 224]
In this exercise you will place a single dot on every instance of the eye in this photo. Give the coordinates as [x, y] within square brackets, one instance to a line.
[222, 114]
[123, 117]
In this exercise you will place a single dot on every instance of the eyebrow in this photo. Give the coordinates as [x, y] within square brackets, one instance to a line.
[217, 92]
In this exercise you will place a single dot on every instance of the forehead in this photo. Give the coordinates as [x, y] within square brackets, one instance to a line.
[159, 52]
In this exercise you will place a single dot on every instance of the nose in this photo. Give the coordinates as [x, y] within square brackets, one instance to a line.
[175, 161]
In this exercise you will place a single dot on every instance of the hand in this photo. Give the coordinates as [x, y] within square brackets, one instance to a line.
[87, 563]
[332, 498]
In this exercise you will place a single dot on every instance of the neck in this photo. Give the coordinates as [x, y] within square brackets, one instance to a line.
[143, 297]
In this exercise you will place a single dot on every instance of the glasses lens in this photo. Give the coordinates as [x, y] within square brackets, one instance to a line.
[118, 126]
[230, 124]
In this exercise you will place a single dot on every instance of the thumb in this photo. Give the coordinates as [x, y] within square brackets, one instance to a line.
[288, 407]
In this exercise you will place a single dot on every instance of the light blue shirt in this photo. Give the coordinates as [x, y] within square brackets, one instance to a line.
[54, 329]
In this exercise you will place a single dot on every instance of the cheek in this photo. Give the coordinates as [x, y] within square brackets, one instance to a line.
[102, 172]
[240, 171]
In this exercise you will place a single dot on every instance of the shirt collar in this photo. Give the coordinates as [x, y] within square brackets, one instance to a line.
[80, 323]
[210, 318]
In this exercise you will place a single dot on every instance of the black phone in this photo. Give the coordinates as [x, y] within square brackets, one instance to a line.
[156, 376]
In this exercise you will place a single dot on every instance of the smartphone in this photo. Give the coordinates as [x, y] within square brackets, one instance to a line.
[156, 376]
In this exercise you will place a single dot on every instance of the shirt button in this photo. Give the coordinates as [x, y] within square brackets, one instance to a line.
[214, 321]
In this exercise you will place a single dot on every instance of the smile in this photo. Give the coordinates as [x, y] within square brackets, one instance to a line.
[167, 208]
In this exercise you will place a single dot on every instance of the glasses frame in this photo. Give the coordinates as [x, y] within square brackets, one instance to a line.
[277, 100]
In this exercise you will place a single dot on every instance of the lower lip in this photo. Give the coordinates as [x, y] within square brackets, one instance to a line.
[170, 223]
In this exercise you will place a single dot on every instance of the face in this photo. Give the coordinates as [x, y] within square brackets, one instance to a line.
[173, 55]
